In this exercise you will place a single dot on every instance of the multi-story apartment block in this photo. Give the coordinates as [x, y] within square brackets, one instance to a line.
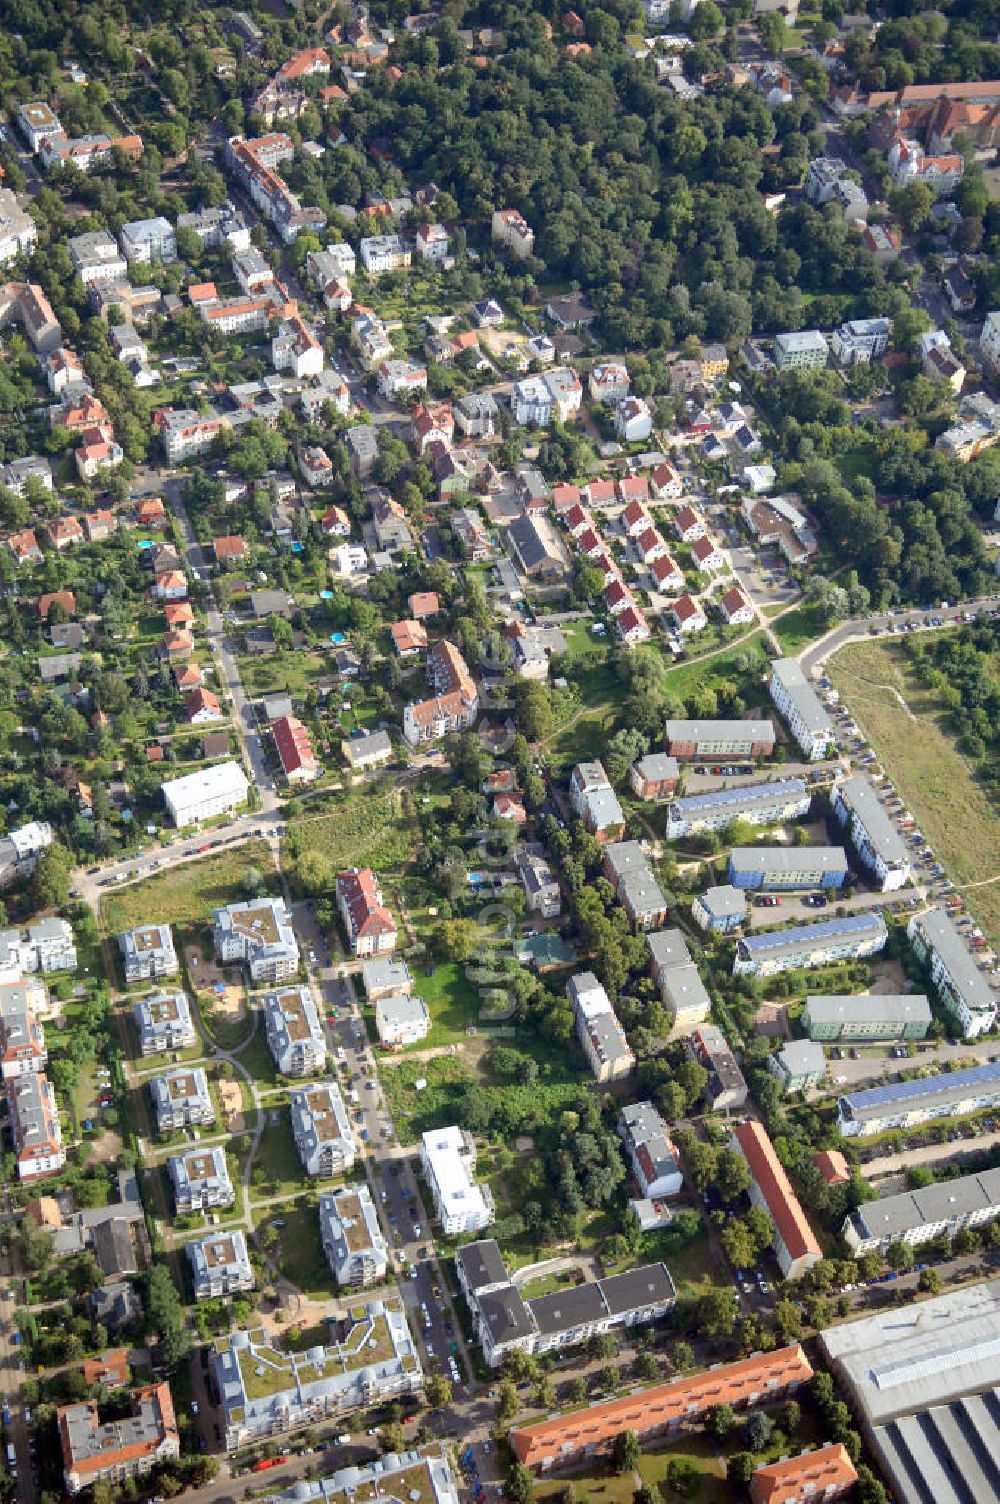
[322, 1130]
[219, 1265]
[598, 1029]
[687, 739]
[461, 1203]
[906, 1104]
[726, 1089]
[866, 1018]
[961, 986]
[47, 945]
[540, 884]
[627, 866]
[164, 1022]
[798, 703]
[34, 1126]
[860, 341]
[23, 1050]
[385, 976]
[798, 1064]
[148, 953]
[368, 923]
[96, 258]
[663, 1411]
[540, 400]
[989, 340]
[785, 868]
[826, 1473]
[918, 1216]
[720, 908]
[254, 164]
[401, 1018]
[200, 1178]
[455, 703]
[148, 240]
[37, 121]
[294, 1032]
[510, 229]
[182, 1099]
[880, 848]
[352, 1239]
[655, 776]
[595, 801]
[218, 229]
[794, 1241]
[396, 1475]
[210, 791]
[96, 1451]
[802, 349]
[804, 945]
[265, 1392]
[681, 989]
[384, 253]
[504, 1321]
[18, 231]
[756, 803]
[260, 934]
[650, 1152]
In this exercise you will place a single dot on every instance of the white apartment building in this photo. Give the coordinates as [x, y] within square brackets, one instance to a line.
[260, 934]
[149, 240]
[96, 258]
[219, 1265]
[801, 349]
[961, 986]
[148, 953]
[461, 1204]
[185, 433]
[216, 228]
[34, 1126]
[322, 1129]
[47, 946]
[164, 1022]
[880, 847]
[598, 1029]
[18, 231]
[352, 1239]
[510, 229]
[796, 700]
[860, 341]
[650, 1152]
[210, 791]
[401, 1019]
[200, 1178]
[23, 1051]
[332, 264]
[384, 253]
[539, 400]
[181, 1099]
[294, 1033]
[37, 121]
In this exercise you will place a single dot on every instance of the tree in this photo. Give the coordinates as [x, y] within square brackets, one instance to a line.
[683, 1356]
[740, 1468]
[787, 1321]
[757, 1430]
[508, 1402]
[51, 878]
[913, 205]
[870, 1488]
[717, 1312]
[682, 1474]
[626, 1451]
[438, 1390]
[929, 1281]
[739, 1243]
[732, 1174]
[520, 1483]
[720, 1420]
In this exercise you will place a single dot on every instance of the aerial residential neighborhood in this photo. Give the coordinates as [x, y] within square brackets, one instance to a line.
[499, 753]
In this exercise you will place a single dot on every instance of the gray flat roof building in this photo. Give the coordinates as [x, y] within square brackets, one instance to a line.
[866, 1015]
[766, 803]
[917, 1216]
[789, 861]
[940, 1095]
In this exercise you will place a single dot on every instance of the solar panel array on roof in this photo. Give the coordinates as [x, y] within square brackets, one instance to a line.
[826, 929]
[779, 788]
[925, 1086]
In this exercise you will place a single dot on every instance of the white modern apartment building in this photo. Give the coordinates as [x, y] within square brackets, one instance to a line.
[797, 701]
[682, 990]
[37, 121]
[266, 1392]
[880, 847]
[540, 400]
[18, 231]
[96, 258]
[849, 938]
[23, 1051]
[258, 933]
[216, 228]
[917, 1216]
[384, 253]
[352, 1239]
[219, 1265]
[322, 1129]
[45, 946]
[395, 1476]
[164, 1022]
[961, 986]
[149, 240]
[294, 1032]
[860, 341]
[34, 1126]
[906, 1104]
[651, 1154]
[769, 803]
[148, 953]
[181, 1099]
[461, 1203]
[210, 791]
[401, 1018]
[200, 1178]
[802, 349]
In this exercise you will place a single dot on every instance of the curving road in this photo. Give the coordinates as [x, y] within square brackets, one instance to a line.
[813, 657]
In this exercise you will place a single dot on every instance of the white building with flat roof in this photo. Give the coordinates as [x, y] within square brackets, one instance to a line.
[148, 240]
[396, 1478]
[461, 1204]
[208, 792]
[164, 1022]
[352, 1238]
[260, 934]
[322, 1129]
[148, 953]
[294, 1032]
[401, 1018]
[200, 1178]
[961, 986]
[879, 845]
[219, 1265]
[181, 1099]
[797, 701]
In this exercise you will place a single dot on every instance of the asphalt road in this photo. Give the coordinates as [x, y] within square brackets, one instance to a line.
[815, 655]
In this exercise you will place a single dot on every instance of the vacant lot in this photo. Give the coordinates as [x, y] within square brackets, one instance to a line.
[370, 827]
[189, 892]
[904, 723]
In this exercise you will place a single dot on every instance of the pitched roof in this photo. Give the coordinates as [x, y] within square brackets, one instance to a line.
[782, 1203]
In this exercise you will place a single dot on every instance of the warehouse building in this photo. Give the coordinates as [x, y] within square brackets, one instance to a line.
[905, 1104]
[963, 989]
[866, 1018]
[662, 1411]
[880, 848]
[916, 1217]
[803, 945]
[769, 803]
[785, 868]
[924, 1382]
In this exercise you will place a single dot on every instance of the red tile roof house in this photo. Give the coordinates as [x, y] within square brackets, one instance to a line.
[171, 586]
[509, 807]
[409, 638]
[176, 645]
[736, 608]
[295, 750]
[601, 493]
[812, 1478]
[635, 518]
[564, 497]
[662, 1411]
[667, 574]
[370, 927]
[617, 597]
[189, 676]
[688, 615]
[63, 532]
[795, 1244]
[178, 613]
[336, 523]
[649, 545]
[64, 598]
[632, 626]
[24, 547]
[424, 603]
[577, 519]
[111, 1370]
[151, 511]
[689, 525]
[202, 706]
[633, 488]
[92, 1451]
[707, 556]
[229, 550]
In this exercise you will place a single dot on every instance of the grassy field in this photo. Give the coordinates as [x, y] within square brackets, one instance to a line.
[277, 1157]
[188, 893]
[300, 1254]
[711, 1486]
[800, 627]
[367, 828]
[452, 1000]
[921, 758]
[698, 673]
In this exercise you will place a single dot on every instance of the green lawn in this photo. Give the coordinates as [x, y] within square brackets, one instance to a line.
[711, 1486]
[800, 627]
[368, 827]
[282, 673]
[187, 894]
[277, 1157]
[696, 674]
[919, 754]
[452, 1000]
[300, 1252]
